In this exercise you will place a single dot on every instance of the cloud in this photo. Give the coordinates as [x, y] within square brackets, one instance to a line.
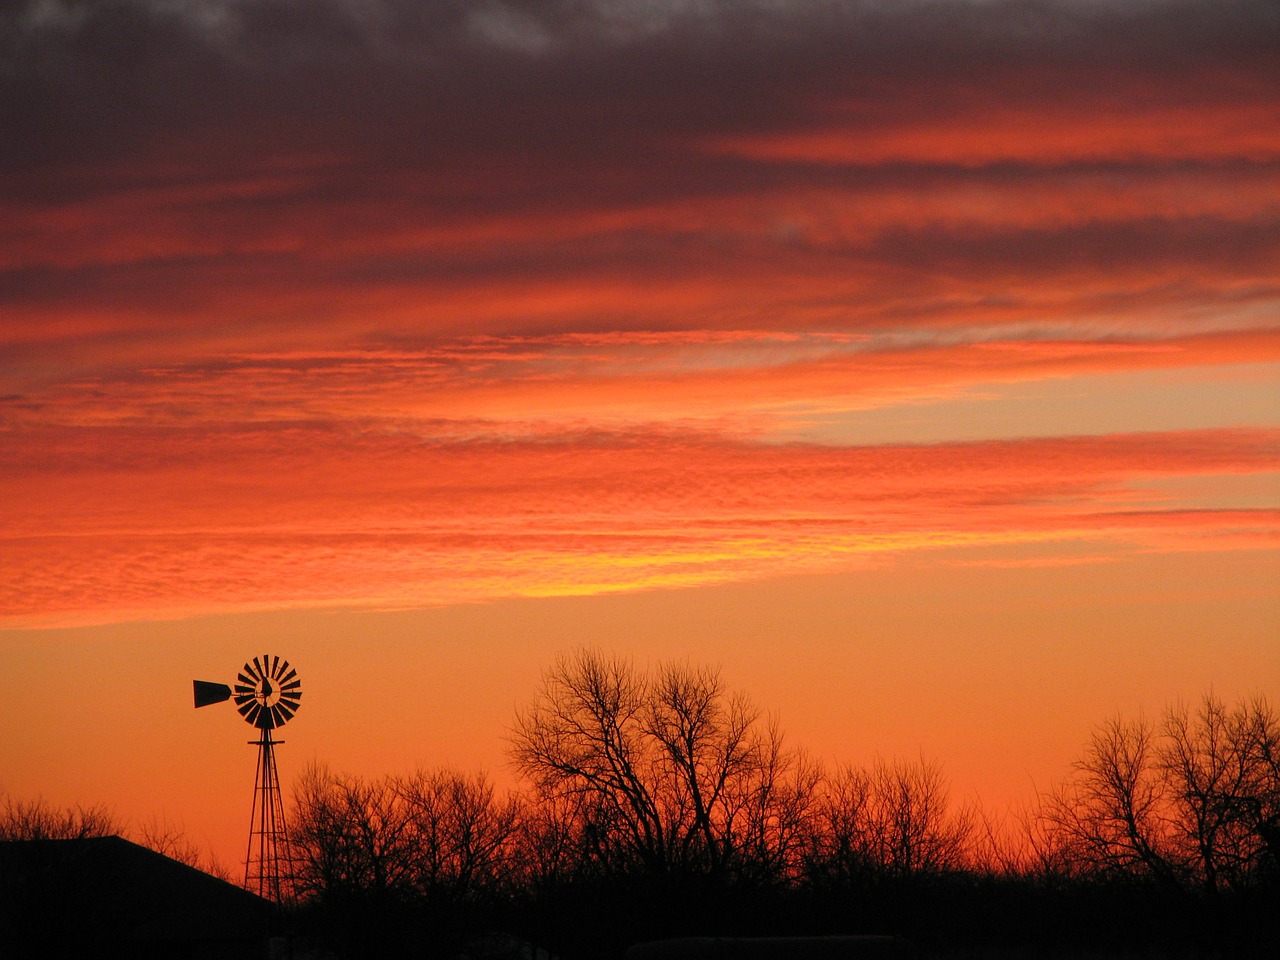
[749, 65]
[734, 383]
[313, 303]
[211, 177]
[156, 521]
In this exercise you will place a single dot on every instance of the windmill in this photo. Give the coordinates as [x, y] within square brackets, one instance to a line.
[267, 695]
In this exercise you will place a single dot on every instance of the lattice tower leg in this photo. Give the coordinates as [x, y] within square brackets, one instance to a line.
[268, 869]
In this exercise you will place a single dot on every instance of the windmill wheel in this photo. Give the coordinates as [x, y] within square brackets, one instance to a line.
[268, 692]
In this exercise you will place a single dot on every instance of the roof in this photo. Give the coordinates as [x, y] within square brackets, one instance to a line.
[107, 889]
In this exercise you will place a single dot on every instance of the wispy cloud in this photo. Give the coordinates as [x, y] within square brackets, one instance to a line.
[155, 522]
[395, 302]
[753, 382]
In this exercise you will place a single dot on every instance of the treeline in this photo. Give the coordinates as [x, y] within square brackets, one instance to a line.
[661, 804]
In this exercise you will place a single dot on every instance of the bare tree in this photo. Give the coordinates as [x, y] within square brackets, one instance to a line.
[1260, 731]
[1112, 818]
[459, 834]
[1195, 801]
[1024, 844]
[839, 849]
[911, 827]
[40, 820]
[350, 836]
[1220, 771]
[433, 834]
[679, 774]
[552, 838]
[777, 811]
[585, 735]
[998, 845]
[893, 820]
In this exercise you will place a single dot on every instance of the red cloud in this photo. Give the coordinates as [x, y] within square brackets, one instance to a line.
[162, 523]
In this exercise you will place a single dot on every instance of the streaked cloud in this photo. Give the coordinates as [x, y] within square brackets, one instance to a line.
[158, 522]
[395, 303]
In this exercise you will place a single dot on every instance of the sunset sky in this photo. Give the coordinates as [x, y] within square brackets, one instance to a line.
[917, 362]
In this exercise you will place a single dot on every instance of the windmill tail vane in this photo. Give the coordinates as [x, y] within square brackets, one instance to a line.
[207, 693]
[267, 694]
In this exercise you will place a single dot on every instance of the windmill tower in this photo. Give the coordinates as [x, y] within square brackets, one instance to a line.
[267, 694]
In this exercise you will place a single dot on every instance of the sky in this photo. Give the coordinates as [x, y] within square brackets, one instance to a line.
[916, 363]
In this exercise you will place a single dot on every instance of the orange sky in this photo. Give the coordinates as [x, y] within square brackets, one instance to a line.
[918, 364]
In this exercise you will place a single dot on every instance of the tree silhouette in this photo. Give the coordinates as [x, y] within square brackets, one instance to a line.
[679, 775]
[383, 860]
[1112, 819]
[892, 820]
[459, 835]
[1193, 801]
[40, 820]
[1220, 766]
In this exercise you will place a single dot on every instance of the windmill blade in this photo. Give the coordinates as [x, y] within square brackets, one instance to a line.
[267, 693]
[207, 692]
